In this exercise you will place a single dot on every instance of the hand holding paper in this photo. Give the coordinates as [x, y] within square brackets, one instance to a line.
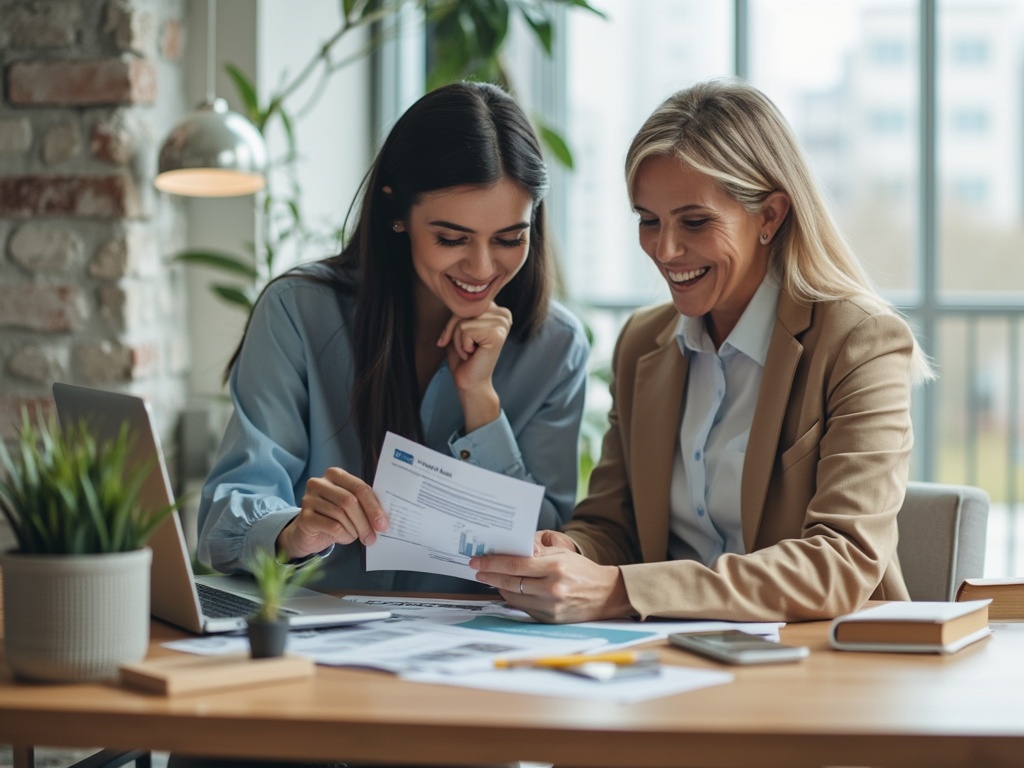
[443, 511]
[337, 508]
[556, 585]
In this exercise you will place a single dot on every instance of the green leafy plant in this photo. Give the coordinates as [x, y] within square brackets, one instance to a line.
[65, 493]
[466, 39]
[276, 579]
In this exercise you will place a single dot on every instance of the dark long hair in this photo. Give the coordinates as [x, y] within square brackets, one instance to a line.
[461, 134]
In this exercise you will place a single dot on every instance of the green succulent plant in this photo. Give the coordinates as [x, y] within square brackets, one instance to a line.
[276, 579]
[65, 493]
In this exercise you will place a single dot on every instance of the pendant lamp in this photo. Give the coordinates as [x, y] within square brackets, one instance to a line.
[214, 152]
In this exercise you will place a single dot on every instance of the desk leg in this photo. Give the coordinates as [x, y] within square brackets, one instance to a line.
[24, 757]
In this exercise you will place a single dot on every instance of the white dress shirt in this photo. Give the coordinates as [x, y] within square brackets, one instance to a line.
[718, 410]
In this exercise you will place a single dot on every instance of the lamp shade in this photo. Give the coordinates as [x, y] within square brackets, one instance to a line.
[214, 152]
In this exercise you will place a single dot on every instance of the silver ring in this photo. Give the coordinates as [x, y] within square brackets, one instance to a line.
[520, 585]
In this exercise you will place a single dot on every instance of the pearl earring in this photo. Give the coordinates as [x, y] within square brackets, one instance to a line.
[764, 238]
[397, 227]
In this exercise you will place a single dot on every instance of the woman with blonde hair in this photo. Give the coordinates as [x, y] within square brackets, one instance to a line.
[759, 438]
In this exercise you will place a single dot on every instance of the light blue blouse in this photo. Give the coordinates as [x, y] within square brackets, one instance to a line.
[291, 389]
[721, 396]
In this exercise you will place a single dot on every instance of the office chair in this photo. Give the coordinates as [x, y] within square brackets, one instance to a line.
[942, 532]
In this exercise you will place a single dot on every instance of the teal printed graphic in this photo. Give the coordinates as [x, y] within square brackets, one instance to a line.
[561, 631]
[470, 545]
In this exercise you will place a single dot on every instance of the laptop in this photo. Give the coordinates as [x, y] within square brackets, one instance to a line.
[203, 604]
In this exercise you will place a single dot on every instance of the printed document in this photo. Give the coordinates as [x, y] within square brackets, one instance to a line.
[546, 682]
[496, 616]
[443, 511]
[403, 644]
[456, 642]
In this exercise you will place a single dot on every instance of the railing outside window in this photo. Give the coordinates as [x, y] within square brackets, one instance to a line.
[911, 114]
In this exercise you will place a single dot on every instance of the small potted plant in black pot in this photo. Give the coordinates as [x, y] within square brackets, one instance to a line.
[276, 579]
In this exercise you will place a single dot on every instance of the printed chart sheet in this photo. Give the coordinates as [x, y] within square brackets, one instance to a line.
[443, 511]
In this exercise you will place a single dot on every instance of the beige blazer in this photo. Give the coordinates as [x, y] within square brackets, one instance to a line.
[824, 475]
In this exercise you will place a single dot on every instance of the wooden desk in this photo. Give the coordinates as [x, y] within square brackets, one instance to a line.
[832, 709]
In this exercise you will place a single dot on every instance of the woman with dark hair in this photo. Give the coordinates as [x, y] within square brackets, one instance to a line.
[435, 322]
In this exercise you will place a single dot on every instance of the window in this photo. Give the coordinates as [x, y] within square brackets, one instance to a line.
[889, 52]
[911, 114]
[849, 77]
[970, 121]
[637, 64]
[969, 51]
[971, 190]
[888, 121]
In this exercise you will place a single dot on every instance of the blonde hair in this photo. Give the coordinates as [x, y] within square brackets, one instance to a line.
[733, 133]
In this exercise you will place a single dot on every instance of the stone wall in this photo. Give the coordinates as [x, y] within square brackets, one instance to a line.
[90, 88]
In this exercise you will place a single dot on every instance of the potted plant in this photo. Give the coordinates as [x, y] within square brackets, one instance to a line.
[276, 579]
[76, 588]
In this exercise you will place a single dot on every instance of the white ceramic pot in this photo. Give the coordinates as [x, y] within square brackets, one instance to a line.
[70, 618]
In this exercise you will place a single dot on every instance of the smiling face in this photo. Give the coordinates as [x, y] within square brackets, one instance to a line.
[468, 242]
[705, 244]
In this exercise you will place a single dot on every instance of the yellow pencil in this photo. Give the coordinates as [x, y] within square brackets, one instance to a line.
[554, 662]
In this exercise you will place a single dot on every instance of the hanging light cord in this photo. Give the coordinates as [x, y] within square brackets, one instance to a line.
[211, 47]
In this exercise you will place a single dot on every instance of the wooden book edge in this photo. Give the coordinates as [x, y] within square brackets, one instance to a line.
[187, 673]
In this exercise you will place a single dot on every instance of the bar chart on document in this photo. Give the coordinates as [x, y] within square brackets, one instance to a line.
[451, 535]
[470, 545]
[443, 511]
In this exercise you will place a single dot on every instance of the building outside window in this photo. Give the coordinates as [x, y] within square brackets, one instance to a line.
[849, 76]
[911, 114]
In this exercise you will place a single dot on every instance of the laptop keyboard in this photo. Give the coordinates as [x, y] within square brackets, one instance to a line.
[218, 604]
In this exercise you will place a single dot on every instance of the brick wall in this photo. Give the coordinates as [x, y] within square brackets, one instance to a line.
[89, 89]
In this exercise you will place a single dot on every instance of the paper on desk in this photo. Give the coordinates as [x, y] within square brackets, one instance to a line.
[455, 642]
[436, 610]
[402, 645]
[495, 616]
[661, 629]
[482, 614]
[442, 511]
[543, 682]
[478, 615]
[651, 629]
[453, 655]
